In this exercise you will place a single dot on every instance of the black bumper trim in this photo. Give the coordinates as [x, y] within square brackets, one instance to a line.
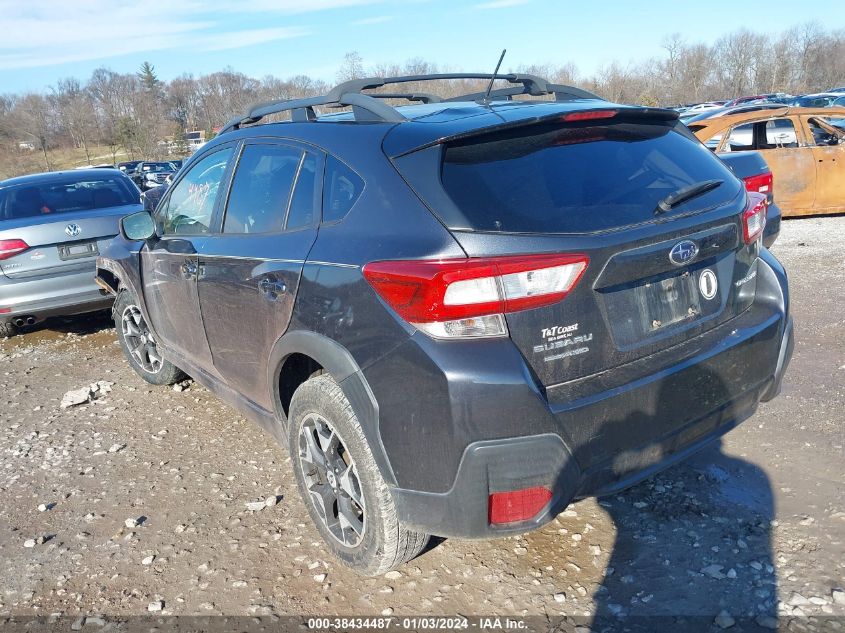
[787, 346]
[517, 463]
[493, 466]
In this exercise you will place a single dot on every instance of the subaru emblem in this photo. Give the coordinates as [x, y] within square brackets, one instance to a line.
[72, 230]
[683, 252]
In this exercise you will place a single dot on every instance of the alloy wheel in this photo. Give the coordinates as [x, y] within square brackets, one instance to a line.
[332, 480]
[139, 340]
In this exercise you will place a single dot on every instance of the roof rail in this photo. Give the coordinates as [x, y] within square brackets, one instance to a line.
[364, 107]
[560, 91]
[422, 97]
[368, 107]
[531, 82]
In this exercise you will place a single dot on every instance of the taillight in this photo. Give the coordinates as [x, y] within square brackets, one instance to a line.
[458, 298]
[10, 248]
[517, 505]
[754, 217]
[761, 183]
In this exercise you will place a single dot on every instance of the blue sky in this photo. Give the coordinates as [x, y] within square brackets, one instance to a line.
[45, 40]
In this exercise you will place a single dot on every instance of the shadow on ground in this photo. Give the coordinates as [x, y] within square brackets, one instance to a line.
[55, 327]
[693, 550]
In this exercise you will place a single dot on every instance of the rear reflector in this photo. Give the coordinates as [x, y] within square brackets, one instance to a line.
[589, 116]
[754, 217]
[517, 505]
[10, 248]
[761, 183]
[469, 297]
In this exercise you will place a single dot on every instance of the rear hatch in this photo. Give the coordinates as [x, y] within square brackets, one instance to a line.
[58, 227]
[593, 185]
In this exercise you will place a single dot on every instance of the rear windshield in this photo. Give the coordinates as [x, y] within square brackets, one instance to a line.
[85, 194]
[582, 178]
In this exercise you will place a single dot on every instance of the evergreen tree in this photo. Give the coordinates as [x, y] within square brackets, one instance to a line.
[148, 78]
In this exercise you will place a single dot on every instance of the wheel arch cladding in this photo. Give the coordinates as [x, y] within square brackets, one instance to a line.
[124, 266]
[335, 360]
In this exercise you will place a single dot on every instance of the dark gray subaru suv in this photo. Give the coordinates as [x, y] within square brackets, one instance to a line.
[459, 315]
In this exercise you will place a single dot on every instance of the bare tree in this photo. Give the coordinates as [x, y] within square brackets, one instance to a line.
[32, 116]
[352, 67]
[143, 116]
[74, 106]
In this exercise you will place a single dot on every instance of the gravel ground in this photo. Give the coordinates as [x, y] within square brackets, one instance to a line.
[144, 501]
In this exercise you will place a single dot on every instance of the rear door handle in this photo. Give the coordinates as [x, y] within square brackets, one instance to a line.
[271, 289]
[189, 270]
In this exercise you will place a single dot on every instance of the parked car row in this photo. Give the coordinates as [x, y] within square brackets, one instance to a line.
[149, 174]
[835, 97]
[710, 106]
[458, 316]
[820, 100]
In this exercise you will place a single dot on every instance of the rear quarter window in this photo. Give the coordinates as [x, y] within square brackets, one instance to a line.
[577, 179]
[341, 189]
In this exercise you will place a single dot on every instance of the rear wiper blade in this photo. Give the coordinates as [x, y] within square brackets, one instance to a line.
[686, 193]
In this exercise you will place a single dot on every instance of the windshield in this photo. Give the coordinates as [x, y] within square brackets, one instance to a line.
[578, 179]
[30, 200]
[157, 168]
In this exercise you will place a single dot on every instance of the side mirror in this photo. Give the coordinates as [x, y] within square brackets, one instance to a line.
[138, 226]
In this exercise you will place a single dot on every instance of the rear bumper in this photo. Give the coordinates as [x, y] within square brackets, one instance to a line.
[540, 460]
[591, 444]
[546, 460]
[57, 295]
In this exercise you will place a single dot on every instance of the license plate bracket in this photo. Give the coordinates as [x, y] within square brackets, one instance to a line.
[651, 307]
[78, 250]
[668, 301]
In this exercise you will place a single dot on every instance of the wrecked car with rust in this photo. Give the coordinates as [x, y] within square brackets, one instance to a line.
[805, 152]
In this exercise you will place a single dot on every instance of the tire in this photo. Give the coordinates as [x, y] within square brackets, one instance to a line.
[381, 543]
[7, 329]
[132, 330]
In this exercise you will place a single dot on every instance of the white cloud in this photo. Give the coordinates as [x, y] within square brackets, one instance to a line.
[379, 19]
[47, 33]
[500, 4]
[239, 39]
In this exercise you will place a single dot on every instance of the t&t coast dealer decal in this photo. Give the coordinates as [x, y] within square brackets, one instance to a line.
[563, 337]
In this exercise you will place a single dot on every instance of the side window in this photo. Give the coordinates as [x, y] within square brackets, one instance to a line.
[261, 189]
[824, 134]
[761, 135]
[741, 138]
[341, 189]
[301, 211]
[780, 133]
[191, 202]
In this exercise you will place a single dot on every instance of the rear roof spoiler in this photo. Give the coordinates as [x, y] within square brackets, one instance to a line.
[414, 136]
